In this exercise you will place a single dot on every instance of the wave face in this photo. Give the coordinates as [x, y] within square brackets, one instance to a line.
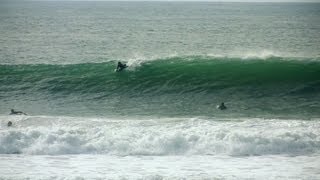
[178, 85]
[41, 135]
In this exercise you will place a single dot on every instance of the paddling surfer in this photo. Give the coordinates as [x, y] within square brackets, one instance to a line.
[13, 112]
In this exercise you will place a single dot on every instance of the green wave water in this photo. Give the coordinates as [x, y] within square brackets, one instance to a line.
[183, 86]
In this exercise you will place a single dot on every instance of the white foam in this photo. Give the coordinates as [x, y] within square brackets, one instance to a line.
[264, 54]
[257, 54]
[95, 166]
[137, 59]
[159, 137]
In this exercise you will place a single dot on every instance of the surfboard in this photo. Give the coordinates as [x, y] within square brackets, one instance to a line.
[120, 69]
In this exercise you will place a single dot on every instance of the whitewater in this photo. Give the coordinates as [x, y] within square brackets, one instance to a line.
[166, 148]
[158, 119]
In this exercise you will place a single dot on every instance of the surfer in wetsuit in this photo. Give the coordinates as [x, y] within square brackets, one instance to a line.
[121, 66]
[9, 123]
[13, 112]
[222, 106]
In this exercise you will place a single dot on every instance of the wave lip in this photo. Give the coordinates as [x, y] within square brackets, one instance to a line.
[162, 137]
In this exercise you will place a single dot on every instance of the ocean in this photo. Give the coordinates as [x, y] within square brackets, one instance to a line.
[158, 118]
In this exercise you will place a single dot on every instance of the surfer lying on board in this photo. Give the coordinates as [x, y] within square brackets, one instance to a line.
[120, 67]
[13, 112]
[222, 106]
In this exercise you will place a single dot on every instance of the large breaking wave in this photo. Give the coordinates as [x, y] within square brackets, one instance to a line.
[179, 75]
[172, 86]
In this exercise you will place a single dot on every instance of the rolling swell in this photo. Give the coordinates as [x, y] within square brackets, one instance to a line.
[178, 81]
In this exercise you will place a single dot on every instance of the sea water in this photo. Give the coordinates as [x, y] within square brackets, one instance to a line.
[157, 119]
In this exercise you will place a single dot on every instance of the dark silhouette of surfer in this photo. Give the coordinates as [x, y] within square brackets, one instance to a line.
[222, 106]
[120, 67]
[13, 112]
[9, 123]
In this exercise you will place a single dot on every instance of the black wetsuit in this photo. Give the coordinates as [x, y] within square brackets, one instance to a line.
[13, 112]
[222, 107]
[121, 66]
